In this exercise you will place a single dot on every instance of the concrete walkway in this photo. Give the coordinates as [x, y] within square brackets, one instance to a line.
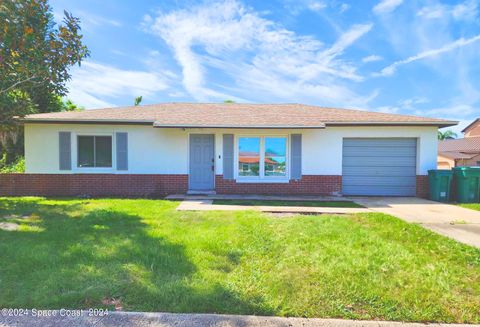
[256, 197]
[139, 319]
[206, 205]
[449, 220]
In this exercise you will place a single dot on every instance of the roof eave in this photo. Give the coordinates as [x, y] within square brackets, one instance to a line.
[160, 125]
[86, 121]
[319, 126]
[399, 123]
[470, 125]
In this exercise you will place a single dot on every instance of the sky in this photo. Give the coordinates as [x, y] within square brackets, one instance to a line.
[396, 56]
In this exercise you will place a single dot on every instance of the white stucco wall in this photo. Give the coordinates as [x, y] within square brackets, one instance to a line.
[165, 151]
[323, 148]
[150, 150]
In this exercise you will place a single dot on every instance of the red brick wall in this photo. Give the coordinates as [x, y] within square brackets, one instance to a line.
[92, 185]
[130, 185]
[422, 186]
[308, 184]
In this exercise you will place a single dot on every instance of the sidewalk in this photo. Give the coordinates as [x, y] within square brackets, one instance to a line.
[151, 319]
[206, 205]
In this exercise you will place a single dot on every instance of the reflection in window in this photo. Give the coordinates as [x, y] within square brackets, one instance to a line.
[94, 151]
[249, 156]
[275, 156]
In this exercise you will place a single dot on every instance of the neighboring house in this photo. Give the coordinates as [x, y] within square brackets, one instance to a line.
[461, 152]
[226, 148]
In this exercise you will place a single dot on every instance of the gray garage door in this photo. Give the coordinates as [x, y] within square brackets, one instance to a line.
[379, 166]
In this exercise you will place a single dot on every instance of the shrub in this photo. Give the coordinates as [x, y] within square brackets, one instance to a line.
[18, 166]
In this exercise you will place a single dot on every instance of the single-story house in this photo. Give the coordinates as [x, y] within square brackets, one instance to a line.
[461, 152]
[226, 148]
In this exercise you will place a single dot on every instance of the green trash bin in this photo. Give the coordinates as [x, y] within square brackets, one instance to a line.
[468, 184]
[439, 183]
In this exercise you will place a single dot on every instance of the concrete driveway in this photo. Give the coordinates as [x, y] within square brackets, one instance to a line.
[452, 221]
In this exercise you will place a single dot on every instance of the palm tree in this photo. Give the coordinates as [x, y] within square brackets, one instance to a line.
[447, 135]
[138, 100]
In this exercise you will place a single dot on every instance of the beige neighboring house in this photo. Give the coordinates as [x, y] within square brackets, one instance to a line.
[461, 152]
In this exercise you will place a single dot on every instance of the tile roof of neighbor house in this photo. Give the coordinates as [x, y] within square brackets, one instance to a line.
[470, 125]
[468, 144]
[465, 148]
[234, 115]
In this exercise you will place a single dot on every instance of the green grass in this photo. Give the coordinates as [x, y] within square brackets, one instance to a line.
[474, 206]
[336, 204]
[143, 253]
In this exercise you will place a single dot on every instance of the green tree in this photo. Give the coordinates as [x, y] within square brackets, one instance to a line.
[68, 105]
[137, 101]
[447, 135]
[228, 101]
[35, 57]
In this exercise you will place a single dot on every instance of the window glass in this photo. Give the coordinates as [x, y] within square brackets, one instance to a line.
[86, 155]
[103, 151]
[249, 156]
[94, 151]
[275, 156]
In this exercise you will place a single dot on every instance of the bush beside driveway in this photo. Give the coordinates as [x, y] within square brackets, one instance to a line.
[143, 255]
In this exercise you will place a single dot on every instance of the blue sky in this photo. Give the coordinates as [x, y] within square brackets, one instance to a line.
[407, 57]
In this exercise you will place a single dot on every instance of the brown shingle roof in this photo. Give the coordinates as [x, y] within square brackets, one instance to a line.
[470, 125]
[468, 144]
[465, 148]
[235, 115]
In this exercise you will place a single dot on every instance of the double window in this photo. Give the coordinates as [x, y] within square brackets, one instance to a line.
[94, 151]
[262, 157]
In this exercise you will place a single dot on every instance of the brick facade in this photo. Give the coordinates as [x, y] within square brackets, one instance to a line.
[422, 186]
[133, 185]
[308, 184]
[92, 185]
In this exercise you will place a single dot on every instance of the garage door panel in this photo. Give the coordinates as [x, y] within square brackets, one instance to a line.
[380, 151]
[383, 190]
[375, 142]
[379, 166]
[379, 171]
[380, 180]
[378, 162]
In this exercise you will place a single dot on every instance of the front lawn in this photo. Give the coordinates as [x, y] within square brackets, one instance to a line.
[474, 206]
[145, 256]
[277, 203]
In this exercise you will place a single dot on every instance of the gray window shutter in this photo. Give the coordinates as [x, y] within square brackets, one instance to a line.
[65, 150]
[228, 156]
[296, 156]
[122, 151]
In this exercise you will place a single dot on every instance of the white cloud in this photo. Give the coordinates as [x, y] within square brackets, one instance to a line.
[371, 58]
[344, 7]
[93, 83]
[406, 106]
[386, 6]
[466, 11]
[90, 20]
[432, 12]
[261, 57]
[391, 69]
[316, 5]
[347, 39]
